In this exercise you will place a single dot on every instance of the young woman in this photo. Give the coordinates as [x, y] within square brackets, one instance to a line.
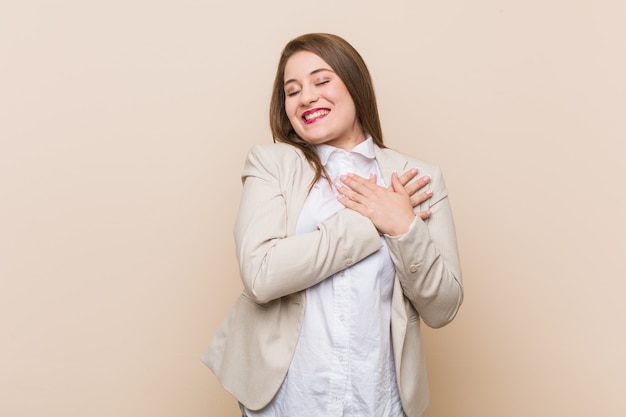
[341, 258]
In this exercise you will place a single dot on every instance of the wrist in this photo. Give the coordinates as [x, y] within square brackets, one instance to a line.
[402, 227]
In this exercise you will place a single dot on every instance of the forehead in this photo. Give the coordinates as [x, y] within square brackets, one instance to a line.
[302, 64]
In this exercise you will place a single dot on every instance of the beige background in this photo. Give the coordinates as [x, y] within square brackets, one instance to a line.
[123, 130]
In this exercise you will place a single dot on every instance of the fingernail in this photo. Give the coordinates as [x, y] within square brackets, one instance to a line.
[427, 178]
[429, 192]
[413, 171]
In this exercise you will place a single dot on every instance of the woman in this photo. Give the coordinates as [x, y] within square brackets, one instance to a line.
[340, 258]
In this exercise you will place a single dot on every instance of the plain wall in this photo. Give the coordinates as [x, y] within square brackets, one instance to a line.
[123, 130]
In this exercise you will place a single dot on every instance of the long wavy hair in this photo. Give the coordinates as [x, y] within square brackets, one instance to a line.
[348, 64]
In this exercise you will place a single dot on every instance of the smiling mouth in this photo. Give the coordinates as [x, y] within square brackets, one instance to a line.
[310, 117]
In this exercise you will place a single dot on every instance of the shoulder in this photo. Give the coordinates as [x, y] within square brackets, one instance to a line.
[273, 154]
[278, 160]
[275, 151]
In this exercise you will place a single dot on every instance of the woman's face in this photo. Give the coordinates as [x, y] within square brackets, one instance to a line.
[318, 103]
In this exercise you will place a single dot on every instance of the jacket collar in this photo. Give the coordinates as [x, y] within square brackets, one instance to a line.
[389, 162]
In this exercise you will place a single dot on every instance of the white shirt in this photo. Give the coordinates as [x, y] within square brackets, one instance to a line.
[343, 363]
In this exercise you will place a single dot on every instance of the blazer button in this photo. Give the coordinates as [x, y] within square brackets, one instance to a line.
[414, 268]
[349, 262]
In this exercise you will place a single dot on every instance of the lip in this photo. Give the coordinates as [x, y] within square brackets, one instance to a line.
[323, 113]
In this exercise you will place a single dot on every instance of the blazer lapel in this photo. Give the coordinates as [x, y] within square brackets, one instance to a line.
[299, 179]
[389, 162]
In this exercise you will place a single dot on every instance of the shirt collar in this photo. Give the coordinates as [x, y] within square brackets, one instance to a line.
[365, 148]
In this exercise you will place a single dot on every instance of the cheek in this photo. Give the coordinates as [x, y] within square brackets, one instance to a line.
[290, 107]
[350, 107]
[291, 113]
[292, 117]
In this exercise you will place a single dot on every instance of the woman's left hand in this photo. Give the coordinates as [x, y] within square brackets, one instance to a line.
[389, 209]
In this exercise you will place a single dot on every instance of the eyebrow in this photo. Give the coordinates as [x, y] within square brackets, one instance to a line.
[293, 80]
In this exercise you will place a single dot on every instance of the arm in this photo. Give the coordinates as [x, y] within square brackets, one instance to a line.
[424, 252]
[427, 260]
[273, 262]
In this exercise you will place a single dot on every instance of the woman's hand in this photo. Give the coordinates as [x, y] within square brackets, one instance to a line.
[389, 209]
[413, 188]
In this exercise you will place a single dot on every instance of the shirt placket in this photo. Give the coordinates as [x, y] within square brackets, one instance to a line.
[341, 329]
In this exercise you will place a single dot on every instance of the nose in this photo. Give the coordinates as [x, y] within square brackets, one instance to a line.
[308, 95]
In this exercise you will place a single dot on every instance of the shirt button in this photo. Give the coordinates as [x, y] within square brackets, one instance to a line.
[414, 268]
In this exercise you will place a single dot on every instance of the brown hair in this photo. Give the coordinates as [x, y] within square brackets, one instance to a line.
[350, 67]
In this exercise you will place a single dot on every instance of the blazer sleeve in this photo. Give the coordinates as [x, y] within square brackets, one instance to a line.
[427, 260]
[272, 261]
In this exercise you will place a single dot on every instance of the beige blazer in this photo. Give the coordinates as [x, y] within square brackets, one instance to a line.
[251, 351]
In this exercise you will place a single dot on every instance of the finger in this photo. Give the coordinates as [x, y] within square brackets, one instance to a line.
[425, 214]
[408, 176]
[420, 183]
[351, 204]
[348, 193]
[373, 178]
[418, 199]
[358, 184]
[396, 184]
